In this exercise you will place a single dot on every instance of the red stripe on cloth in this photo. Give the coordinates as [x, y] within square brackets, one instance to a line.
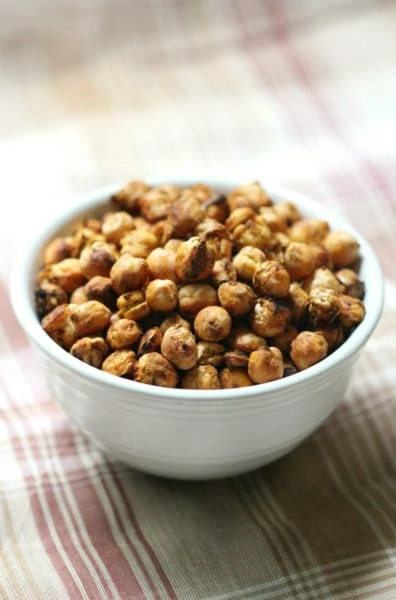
[86, 497]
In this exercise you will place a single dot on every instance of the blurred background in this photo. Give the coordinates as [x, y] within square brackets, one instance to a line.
[298, 92]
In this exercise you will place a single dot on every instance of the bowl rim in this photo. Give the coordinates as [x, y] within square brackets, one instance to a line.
[22, 301]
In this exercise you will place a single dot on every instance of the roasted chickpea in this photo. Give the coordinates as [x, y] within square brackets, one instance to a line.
[309, 231]
[115, 225]
[242, 338]
[223, 270]
[237, 298]
[133, 305]
[150, 341]
[98, 259]
[194, 260]
[90, 317]
[195, 296]
[216, 207]
[78, 296]
[271, 279]
[172, 320]
[60, 326]
[185, 214]
[155, 369]
[172, 244]
[323, 277]
[235, 359]
[299, 260]
[353, 286]
[47, 297]
[157, 202]
[298, 301]
[210, 353]
[90, 350]
[248, 195]
[67, 274]
[307, 349]
[57, 250]
[252, 233]
[333, 334]
[161, 264]
[343, 248]
[120, 363]
[101, 289]
[128, 197]
[139, 242]
[284, 340]
[180, 347]
[265, 364]
[351, 311]
[123, 333]
[274, 220]
[288, 211]
[324, 305]
[234, 379]
[161, 295]
[269, 318]
[212, 324]
[247, 260]
[202, 377]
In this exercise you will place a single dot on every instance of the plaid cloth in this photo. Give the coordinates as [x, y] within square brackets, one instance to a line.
[299, 92]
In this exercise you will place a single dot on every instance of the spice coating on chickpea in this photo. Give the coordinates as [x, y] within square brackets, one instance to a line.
[351, 311]
[202, 377]
[179, 347]
[307, 349]
[59, 326]
[123, 333]
[324, 305]
[90, 350]
[155, 369]
[265, 364]
[271, 279]
[212, 324]
[120, 363]
[237, 298]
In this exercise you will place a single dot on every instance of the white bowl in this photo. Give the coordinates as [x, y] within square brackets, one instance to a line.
[193, 434]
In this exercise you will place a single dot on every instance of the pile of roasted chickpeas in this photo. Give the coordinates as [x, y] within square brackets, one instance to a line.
[195, 289]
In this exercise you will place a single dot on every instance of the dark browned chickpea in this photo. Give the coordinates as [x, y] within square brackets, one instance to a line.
[100, 289]
[127, 198]
[90, 317]
[123, 333]
[67, 274]
[234, 379]
[202, 377]
[343, 248]
[155, 369]
[150, 341]
[161, 264]
[351, 311]
[58, 249]
[195, 296]
[265, 364]
[120, 363]
[212, 324]
[47, 297]
[269, 318]
[133, 305]
[324, 305]
[97, 259]
[244, 339]
[271, 279]
[59, 326]
[247, 260]
[299, 260]
[210, 353]
[161, 295]
[115, 225]
[237, 298]
[307, 349]
[172, 320]
[250, 195]
[309, 231]
[194, 260]
[185, 214]
[298, 301]
[179, 346]
[90, 350]
[353, 286]
[216, 207]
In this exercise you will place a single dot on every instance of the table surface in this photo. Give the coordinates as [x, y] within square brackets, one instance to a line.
[295, 92]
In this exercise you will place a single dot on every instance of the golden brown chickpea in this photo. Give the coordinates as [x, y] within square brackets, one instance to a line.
[139, 242]
[91, 350]
[157, 202]
[324, 305]
[352, 311]
[234, 379]
[250, 195]
[284, 340]
[123, 333]
[237, 298]
[323, 277]
[271, 279]
[100, 289]
[59, 326]
[84, 237]
[120, 363]
[200, 191]
[210, 353]
[353, 286]
[309, 231]
[161, 264]
[150, 341]
[216, 207]
[265, 364]
[252, 233]
[239, 216]
[343, 248]
[298, 301]
[194, 260]
[161, 295]
[78, 296]
[195, 296]
[129, 273]
[211, 228]
[322, 256]
[212, 324]
[127, 198]
[222, 247]
[179, 346]
[97, 259]
[247, 260]
[133, 305]
[94, 224]
[172, 320]
[269, 318]
[155, 369]
[202, 377]
[185, 214]
[333, 334]
[58, 249]
[242, 338]
[235, 359]
[288, 211]
[115, 225]
[274, 220]
[223, 270]
[67, 274]
[162, 230]
[299, 260]
[47, 297]
[90, 317]
[307, 349]
[172, 244]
